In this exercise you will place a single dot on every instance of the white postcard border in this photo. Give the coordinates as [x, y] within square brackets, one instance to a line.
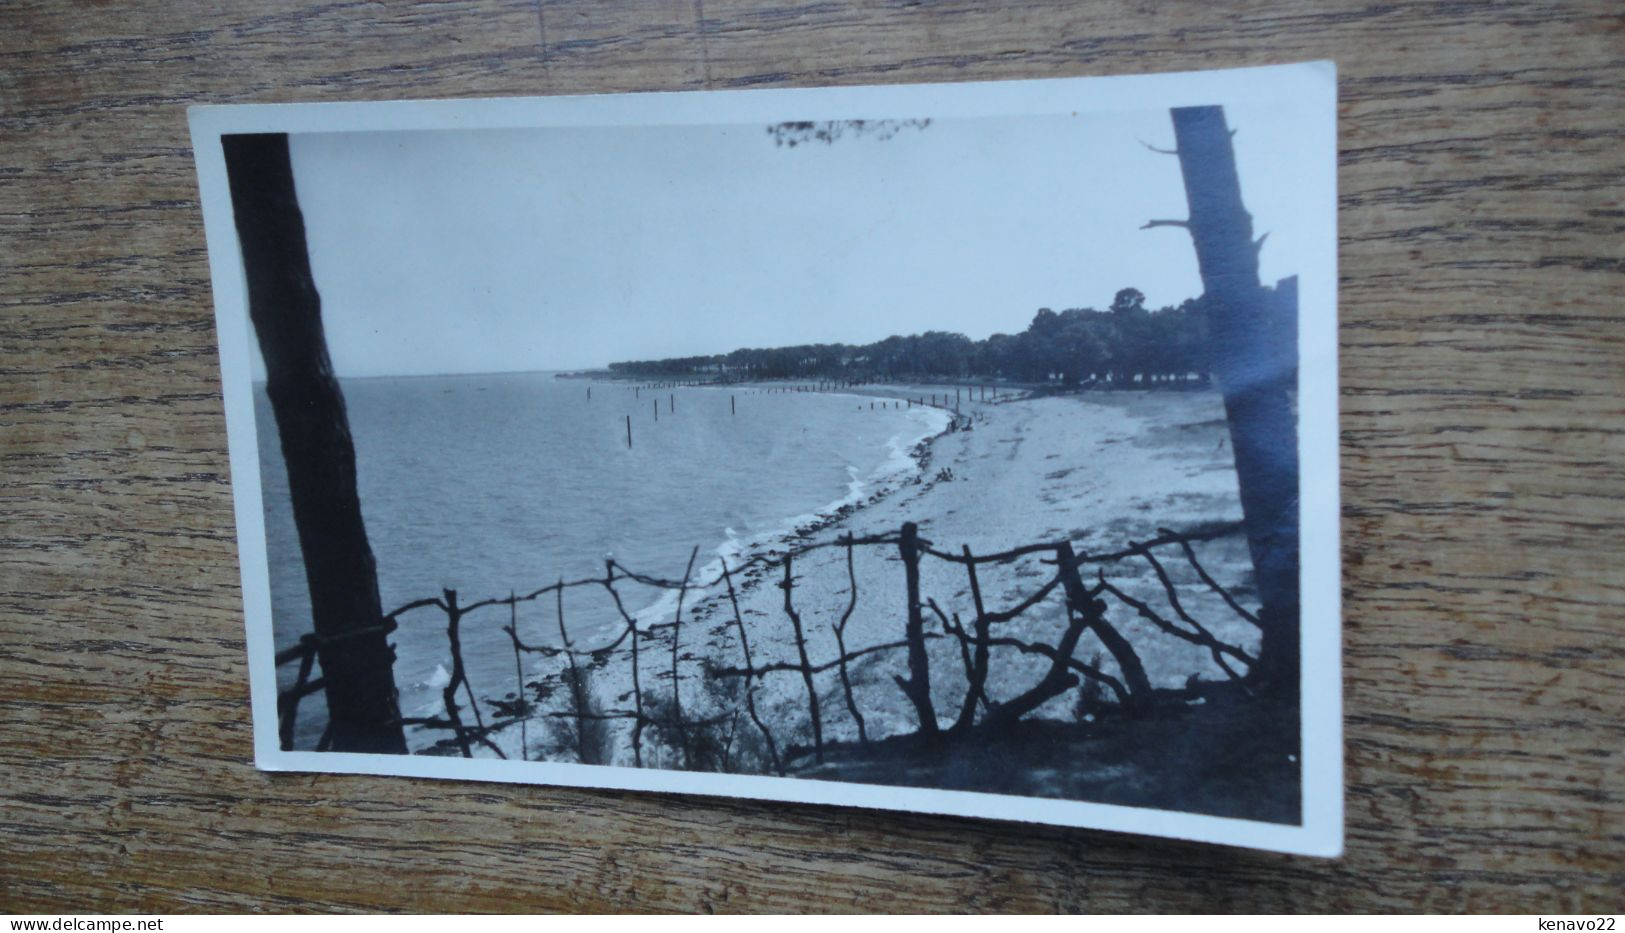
[1311, 85]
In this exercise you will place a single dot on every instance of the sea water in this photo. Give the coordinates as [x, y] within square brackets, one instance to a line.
[491, 484]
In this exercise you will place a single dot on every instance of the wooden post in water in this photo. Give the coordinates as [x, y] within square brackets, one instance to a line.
[628, 432]
[673, 403]
[733, 406]
[657, 409]
[589, 393]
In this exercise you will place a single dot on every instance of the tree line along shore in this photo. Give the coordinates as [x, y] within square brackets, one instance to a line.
[1126, 344]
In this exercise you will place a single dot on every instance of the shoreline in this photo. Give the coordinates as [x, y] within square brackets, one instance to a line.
[654, 617]
[754, 559]
[754, 554]
[1097, 470]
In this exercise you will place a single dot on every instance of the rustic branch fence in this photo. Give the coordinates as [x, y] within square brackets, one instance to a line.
[1086, 604]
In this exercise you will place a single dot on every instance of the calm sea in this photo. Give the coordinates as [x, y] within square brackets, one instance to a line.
[496, 483]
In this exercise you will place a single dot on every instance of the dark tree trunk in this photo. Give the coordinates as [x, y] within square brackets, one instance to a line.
[1258, 388]
[356, 657]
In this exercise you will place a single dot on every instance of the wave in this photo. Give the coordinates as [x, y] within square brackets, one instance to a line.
[899, 466]
[736, 549]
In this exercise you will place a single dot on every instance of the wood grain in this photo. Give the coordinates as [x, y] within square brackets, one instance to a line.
[1483, 276]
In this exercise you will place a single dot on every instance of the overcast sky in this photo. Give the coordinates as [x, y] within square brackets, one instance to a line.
[507, 250]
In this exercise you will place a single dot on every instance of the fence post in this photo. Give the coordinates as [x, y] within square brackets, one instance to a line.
[676, 691]
[806, 664]
[976, 689]
[1081, 609]
[918, 686]
[454, 619]
[577, 687]
[519, 676]
[287, 704]
[750, 672]
[637, 685]
[840, 643]
[1094, 614]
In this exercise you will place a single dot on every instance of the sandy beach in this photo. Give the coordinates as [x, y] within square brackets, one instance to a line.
[1100, 469]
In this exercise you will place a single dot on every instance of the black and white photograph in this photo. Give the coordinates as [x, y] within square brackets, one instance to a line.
[966, 449]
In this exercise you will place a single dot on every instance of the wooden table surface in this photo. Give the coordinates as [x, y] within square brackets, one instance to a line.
[1483, 270]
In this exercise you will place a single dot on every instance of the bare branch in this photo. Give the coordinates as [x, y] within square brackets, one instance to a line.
[676, 683]
[1085, 613]
[1229, 600]
[750, 694]
[840, 644]
[806, 665]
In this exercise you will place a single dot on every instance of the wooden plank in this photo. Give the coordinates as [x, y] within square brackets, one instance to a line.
[1483, 275]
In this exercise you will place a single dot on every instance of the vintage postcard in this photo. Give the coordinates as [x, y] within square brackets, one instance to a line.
[965, 449]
